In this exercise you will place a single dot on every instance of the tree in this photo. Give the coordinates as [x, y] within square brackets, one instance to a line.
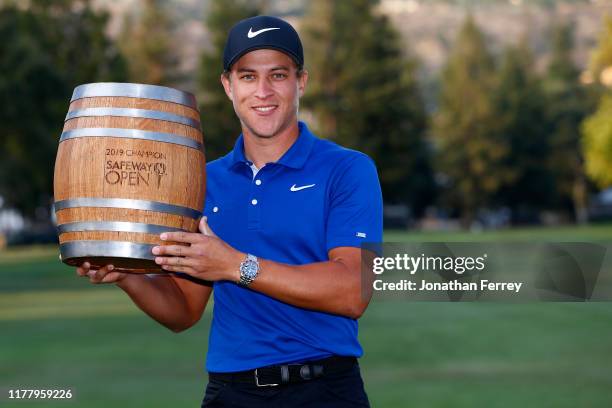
[146, 42]
[519, 102]
[597, 143]
[219, 123]
[46, 51]
[568, 103]
[471, 147]
[597, 128]
[600, 66]
[363, 94]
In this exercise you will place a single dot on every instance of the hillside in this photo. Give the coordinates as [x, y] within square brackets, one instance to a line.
[427, 26]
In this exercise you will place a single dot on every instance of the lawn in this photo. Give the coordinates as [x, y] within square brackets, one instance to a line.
[58, 331]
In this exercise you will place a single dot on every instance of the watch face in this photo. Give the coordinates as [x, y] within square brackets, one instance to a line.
[250, 269]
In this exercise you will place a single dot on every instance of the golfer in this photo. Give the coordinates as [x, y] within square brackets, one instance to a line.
[279, 247]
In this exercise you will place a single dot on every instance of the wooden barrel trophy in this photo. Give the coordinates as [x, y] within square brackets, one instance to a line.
[130, 165]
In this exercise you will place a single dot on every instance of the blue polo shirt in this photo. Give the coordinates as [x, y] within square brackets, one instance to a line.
[317, 197]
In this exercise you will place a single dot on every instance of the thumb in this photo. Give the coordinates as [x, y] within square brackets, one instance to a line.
[205, 229]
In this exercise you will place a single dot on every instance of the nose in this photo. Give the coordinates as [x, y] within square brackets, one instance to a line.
[264, 89]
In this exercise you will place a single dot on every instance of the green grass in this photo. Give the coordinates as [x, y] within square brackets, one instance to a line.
[58, 331]
[587, 233]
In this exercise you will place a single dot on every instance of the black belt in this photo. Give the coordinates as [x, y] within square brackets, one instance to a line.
[271, 376]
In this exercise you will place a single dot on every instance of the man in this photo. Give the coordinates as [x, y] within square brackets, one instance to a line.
[285, 216]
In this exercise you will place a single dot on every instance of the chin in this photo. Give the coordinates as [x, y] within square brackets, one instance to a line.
[267, 133]
[265, 130]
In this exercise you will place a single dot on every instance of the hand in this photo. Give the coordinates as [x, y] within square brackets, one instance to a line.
[102, 275]
[206, 257]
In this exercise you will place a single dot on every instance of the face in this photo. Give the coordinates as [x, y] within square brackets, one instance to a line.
[265, 90]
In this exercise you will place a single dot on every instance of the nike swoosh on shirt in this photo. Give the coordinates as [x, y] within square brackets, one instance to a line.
[252, 33]
[294, 188]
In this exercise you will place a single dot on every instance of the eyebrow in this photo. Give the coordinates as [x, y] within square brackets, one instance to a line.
[277, 68]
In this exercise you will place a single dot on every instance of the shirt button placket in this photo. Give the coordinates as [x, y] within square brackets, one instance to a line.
[255, 204]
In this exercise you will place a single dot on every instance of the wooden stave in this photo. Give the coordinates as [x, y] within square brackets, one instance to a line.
[188, 223]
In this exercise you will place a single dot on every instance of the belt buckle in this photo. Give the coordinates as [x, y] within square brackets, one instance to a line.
[262, 385]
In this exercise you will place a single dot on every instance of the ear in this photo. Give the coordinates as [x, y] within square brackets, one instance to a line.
[227, 85]
[302, 81]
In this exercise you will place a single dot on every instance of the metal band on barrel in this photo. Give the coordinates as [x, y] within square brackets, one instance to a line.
[119, 249]
[131, 134]
[129, 204]
[133, 113]
[116, 226]
[160, 93]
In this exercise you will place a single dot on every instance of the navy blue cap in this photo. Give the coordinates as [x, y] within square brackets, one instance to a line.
[262, 32]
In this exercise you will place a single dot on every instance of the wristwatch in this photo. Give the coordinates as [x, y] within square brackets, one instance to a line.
[249, 269]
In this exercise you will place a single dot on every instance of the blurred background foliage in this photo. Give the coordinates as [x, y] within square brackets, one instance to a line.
[478, 113]
[48, 48]
[518, 129]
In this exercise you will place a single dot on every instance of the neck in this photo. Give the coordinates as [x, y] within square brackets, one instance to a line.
[263, 150]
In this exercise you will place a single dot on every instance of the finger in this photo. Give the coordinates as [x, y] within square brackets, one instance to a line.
[187, 237]
[83, 269]
[112, 277]
[173, 268]
[175, 261]
[99, 275]
[205, 228]
[173, 250]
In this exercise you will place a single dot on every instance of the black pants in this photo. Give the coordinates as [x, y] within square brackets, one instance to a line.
[340, 390]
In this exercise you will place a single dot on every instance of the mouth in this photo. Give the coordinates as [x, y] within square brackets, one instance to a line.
[264, 109]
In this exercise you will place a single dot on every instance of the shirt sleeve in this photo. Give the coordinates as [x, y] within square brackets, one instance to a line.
[355, 204]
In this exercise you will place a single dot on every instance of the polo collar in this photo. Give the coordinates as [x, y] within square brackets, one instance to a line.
[295, 157]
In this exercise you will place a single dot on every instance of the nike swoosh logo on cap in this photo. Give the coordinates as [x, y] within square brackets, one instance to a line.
[294, 188]
[252, 33]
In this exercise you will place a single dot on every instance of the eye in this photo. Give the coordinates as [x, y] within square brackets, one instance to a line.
[279, 75]
[247, 77]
